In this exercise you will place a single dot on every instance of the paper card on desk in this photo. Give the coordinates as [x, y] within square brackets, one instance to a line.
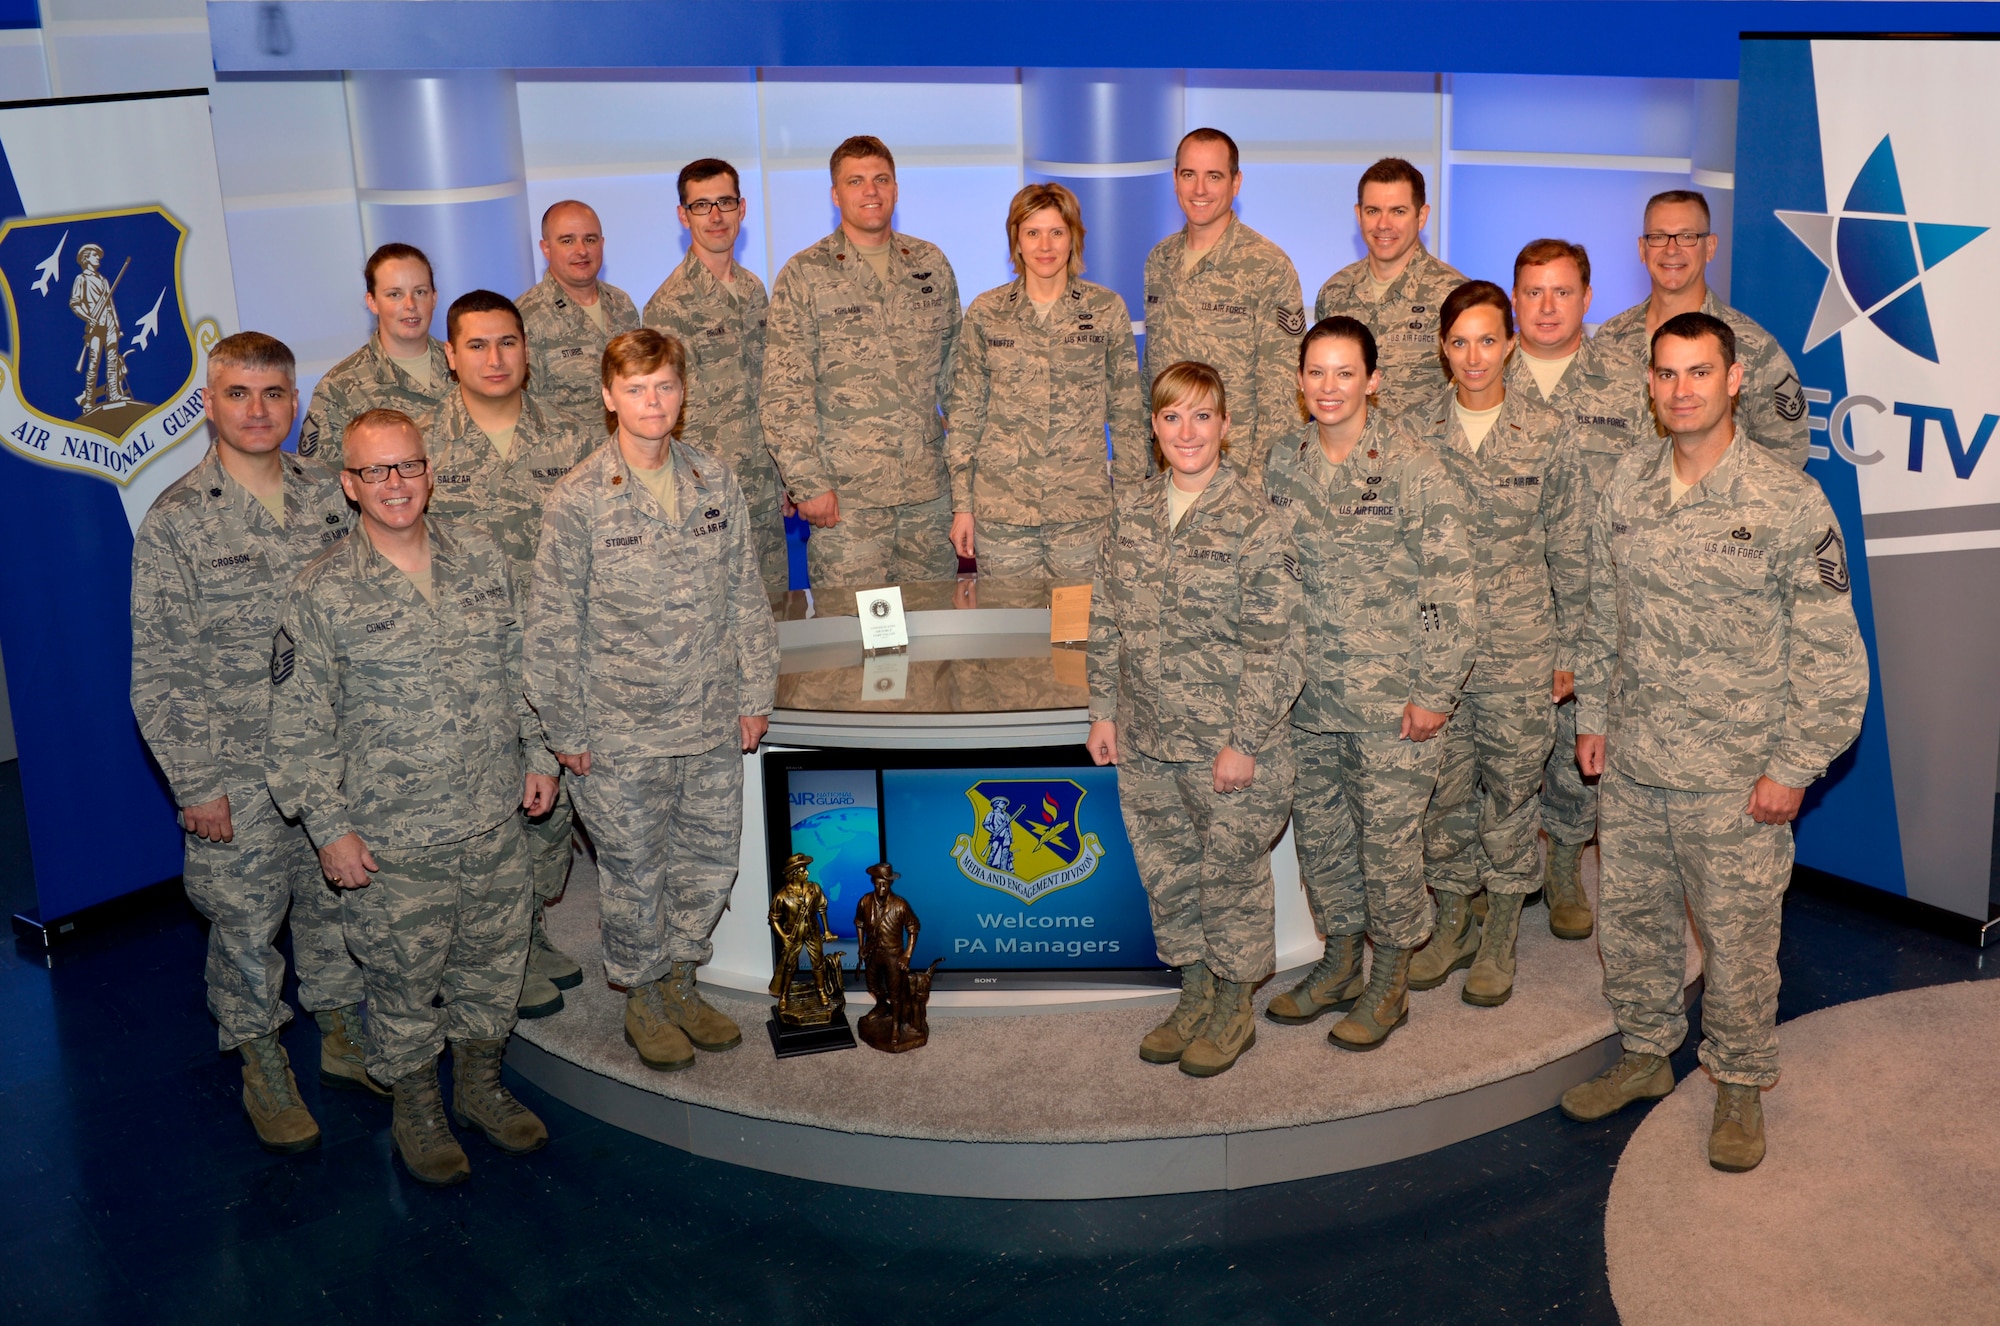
[884, 676]
[1069, 614]
[883, 625]
[1071, 667]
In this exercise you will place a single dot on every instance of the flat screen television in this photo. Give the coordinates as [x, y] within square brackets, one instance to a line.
[1016, 862]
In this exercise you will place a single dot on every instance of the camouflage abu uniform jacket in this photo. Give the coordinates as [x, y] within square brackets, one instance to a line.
[367, 380]
[565, 348]
[1524, 500]
[1239, 311]
[1383, 543]
[1772, 406]
[501, 495]
[724, 331]
[1195, 635]
[1720, 644]
[210, 572]
[1405, 323]
[1608, 415]
[648, 638]
[395, 719]
[854, 374]
[1029, 405]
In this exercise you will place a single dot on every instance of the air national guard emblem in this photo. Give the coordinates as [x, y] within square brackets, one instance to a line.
[100, 360]
[1028, 837]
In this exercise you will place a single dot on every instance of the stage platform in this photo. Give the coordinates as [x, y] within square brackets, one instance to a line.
[1052, 1101]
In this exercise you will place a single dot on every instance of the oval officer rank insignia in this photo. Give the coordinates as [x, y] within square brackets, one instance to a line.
[1027, 837]
[100, 359]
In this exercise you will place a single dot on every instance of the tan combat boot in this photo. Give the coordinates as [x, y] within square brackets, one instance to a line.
[1332, 986]
[1454, 941]
[1490, 983]
[1634, 1077]
[1383, 1006]
[562, 971]
[1166, 1043]
[1562, 889]
[271, 1098]
[1231, 1031]
[478, 1100]
[343, 1057]
[422, 1137]
[707, 1028]
[652, 1033]
[1736, 1140]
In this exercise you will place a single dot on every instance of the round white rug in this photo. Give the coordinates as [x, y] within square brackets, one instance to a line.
[1879, 1197]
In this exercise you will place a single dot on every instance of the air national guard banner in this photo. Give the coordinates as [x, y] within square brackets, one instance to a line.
[1868, 241]
[114, 269]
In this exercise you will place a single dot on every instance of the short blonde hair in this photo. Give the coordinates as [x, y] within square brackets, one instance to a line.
[634, 354]
[1189, 381]
[1033, 198]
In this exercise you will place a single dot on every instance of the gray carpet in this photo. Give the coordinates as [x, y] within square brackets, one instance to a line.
[1876, 1202]
[1077, 1077]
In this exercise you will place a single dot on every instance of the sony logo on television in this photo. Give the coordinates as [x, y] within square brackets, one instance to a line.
[822, 798]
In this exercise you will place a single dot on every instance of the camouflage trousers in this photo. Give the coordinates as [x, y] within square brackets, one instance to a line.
[1359, 817]
[767, 532]
[1483, 827]
[1668, 855]
[551, 845]
[669, 831]
[244, 888]
[1205, 857]
[1569, 803]
[1065, 554]
[883, 545]
[442, 935]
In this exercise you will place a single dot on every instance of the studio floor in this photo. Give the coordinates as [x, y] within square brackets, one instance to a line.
[134, 1191]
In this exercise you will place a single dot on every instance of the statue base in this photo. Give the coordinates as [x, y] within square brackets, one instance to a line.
[788, 1042]
[880, 1030]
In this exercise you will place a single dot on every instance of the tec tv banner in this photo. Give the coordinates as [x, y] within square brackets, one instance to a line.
[1866, 241]
[114, 272]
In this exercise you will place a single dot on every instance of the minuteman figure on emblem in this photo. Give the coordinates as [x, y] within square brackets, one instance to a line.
[90, 298]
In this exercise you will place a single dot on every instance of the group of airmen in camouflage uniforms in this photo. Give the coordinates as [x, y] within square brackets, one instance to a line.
[1414, 579]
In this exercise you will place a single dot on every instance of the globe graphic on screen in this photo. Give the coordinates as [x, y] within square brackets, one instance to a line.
[843, 843]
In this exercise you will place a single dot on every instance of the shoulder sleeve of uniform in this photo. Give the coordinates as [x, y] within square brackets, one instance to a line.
[1269, 628]
[1826, 660]
[304, 764]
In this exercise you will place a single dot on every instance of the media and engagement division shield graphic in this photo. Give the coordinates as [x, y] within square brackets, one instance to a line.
[1028, 837]
[102, 376]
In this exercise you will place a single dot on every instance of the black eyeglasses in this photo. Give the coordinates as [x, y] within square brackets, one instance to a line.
[409, 469]
[1687, 239]
[700, 206]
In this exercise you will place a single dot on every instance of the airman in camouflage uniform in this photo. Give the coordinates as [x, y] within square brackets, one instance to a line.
[402, 298]
[1236, 306]
[1722, 666]
[1524, 487]
[1608, 415]
[1195, 655]
[210, 569]
[855, 372]
[653, 660]
[1030, 401]
[1772, 408]
[566, 338]
[723, 327]
[502, 494]
[1390, 209]
[401, 738]
[1383, 545]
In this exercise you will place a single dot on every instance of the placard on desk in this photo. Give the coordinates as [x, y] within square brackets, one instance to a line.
[883, 625]
[1069, 614]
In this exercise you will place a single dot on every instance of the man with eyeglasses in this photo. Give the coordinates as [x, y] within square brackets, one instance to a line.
[570, 314]
[402, 739]
[864, 325]
[718, 309]
[211, 565]
[1676, 247]
[497, 452]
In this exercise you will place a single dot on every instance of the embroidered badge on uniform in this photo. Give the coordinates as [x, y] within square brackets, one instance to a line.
[1789, 396]
[1292, 322]
[1293, 569]
[1831, 553]
[284, 657]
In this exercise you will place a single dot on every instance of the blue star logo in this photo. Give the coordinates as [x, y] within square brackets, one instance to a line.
[1876, 257]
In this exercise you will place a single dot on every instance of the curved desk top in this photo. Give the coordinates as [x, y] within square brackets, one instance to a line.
[979, 672]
